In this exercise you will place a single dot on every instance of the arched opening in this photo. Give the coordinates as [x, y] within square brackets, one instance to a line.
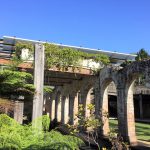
[90, 99]
[109, 105]
[112, 107]
[86, 97]
[138, 104]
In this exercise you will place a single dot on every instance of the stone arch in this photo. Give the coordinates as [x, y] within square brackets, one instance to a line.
[107, 75]
[129, 75]
[85, 92]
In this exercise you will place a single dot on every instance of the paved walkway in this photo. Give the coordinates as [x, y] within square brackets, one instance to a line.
[143, 120]
[142, 145]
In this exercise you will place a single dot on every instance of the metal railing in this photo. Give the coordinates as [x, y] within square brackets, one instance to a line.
[6, 50]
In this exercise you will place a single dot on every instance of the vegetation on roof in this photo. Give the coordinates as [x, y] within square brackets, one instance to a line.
[61, 57]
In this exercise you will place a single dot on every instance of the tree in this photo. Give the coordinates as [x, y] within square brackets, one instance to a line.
[15, 83]
[142, 54]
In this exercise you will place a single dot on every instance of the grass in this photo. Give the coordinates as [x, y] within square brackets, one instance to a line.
[142, 129]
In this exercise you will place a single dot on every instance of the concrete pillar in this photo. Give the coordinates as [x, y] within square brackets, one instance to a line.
[59, 111]
[130, 116]
[141, 106]
[18, 111]
[52, 109]
[66, 110]
[121, 98]
[126, 121]
[63, 109]
[38, 81]
[58, 108]
[73, 108]
[50, 106]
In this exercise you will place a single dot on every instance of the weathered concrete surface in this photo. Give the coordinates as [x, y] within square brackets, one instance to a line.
[18, 111]
[38, 81]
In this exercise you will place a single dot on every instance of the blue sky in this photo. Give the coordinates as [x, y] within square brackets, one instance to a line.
[115, 25]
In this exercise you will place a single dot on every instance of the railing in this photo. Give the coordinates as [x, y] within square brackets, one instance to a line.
[6, 50]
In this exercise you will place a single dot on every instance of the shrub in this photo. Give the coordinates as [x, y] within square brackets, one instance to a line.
[14, 136]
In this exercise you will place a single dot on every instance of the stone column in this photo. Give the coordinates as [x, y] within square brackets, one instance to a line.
[121, 98]
[62, 109]
[18, 111]
[50, 106]
[130, 116]
[126, 121]
[104, 110]
[52, 109]
[66, 110]
[38, 81]
[84, 100]
[58, 108]
[73, 108]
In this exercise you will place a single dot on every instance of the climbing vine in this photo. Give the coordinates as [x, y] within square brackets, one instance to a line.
[63, 57]
[23, 45]
[60, 57]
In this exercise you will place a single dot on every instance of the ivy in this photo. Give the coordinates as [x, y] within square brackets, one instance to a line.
[23, 45]
[60, 57]
[63, 57]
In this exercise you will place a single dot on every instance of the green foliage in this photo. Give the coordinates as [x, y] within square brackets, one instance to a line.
[63, 58]
[23, 45]
[91, 123]
[142, 54]
[17, 137]
[47, 89]
[125, 63]
[15, 82]
[15, 62]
